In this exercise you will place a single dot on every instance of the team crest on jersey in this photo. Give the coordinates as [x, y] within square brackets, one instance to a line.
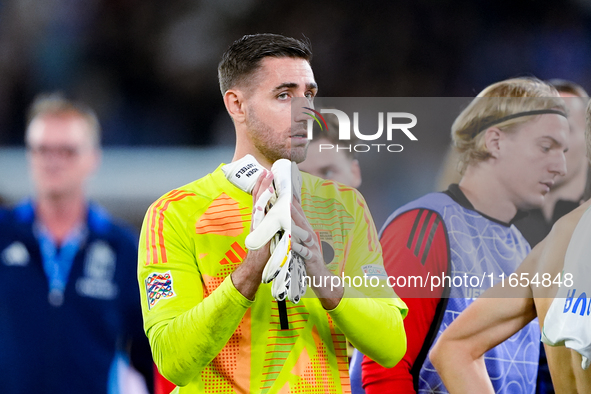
[99, 271]
[159, 287]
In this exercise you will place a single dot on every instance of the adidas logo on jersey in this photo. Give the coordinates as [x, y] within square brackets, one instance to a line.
[234, 255]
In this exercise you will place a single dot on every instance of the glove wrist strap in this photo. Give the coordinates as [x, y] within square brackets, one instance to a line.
[243, 173]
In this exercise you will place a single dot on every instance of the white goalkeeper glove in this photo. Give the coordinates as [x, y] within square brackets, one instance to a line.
[289, 282]
[271, 222]
[285, 268]
[280, 249]
[296, 288]
[278, 217]
[281, 243]
[275, 226]
[243, 173]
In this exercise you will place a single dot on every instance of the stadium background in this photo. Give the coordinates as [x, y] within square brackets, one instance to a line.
[149, 69]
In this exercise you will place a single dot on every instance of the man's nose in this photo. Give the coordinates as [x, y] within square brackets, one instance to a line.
[301, 107]
[558, 166]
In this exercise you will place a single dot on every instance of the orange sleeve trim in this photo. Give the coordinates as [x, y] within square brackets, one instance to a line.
[152, 251]
[148, 234]
[156, 226]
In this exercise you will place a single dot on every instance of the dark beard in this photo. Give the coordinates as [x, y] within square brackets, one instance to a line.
[263, 138]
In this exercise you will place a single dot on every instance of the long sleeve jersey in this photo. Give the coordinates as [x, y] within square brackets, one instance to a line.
[207, 337]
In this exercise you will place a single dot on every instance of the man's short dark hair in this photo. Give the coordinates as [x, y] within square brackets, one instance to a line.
[244, 56]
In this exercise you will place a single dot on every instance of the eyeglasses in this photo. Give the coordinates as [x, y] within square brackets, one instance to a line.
[64, 151]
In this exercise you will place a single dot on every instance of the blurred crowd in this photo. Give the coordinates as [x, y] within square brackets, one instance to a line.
[150, 70]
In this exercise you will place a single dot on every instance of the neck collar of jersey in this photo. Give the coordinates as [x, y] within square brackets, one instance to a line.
[458, 196]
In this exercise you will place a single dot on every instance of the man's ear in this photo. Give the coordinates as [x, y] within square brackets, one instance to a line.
[234, 102]
[492, 141]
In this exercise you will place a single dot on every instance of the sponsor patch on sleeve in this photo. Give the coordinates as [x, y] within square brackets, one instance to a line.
[378, 271]
[159, 287]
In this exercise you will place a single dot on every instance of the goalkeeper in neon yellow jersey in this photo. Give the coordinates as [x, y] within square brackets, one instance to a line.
[212, 325]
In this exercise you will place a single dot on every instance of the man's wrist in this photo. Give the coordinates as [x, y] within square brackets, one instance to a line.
[247, 277]
[328, 291]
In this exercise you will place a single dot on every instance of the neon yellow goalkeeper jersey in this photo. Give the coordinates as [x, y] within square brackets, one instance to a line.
[206, 337]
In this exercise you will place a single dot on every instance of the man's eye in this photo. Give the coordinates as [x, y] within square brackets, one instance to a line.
[283, 96]
[310, 95]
